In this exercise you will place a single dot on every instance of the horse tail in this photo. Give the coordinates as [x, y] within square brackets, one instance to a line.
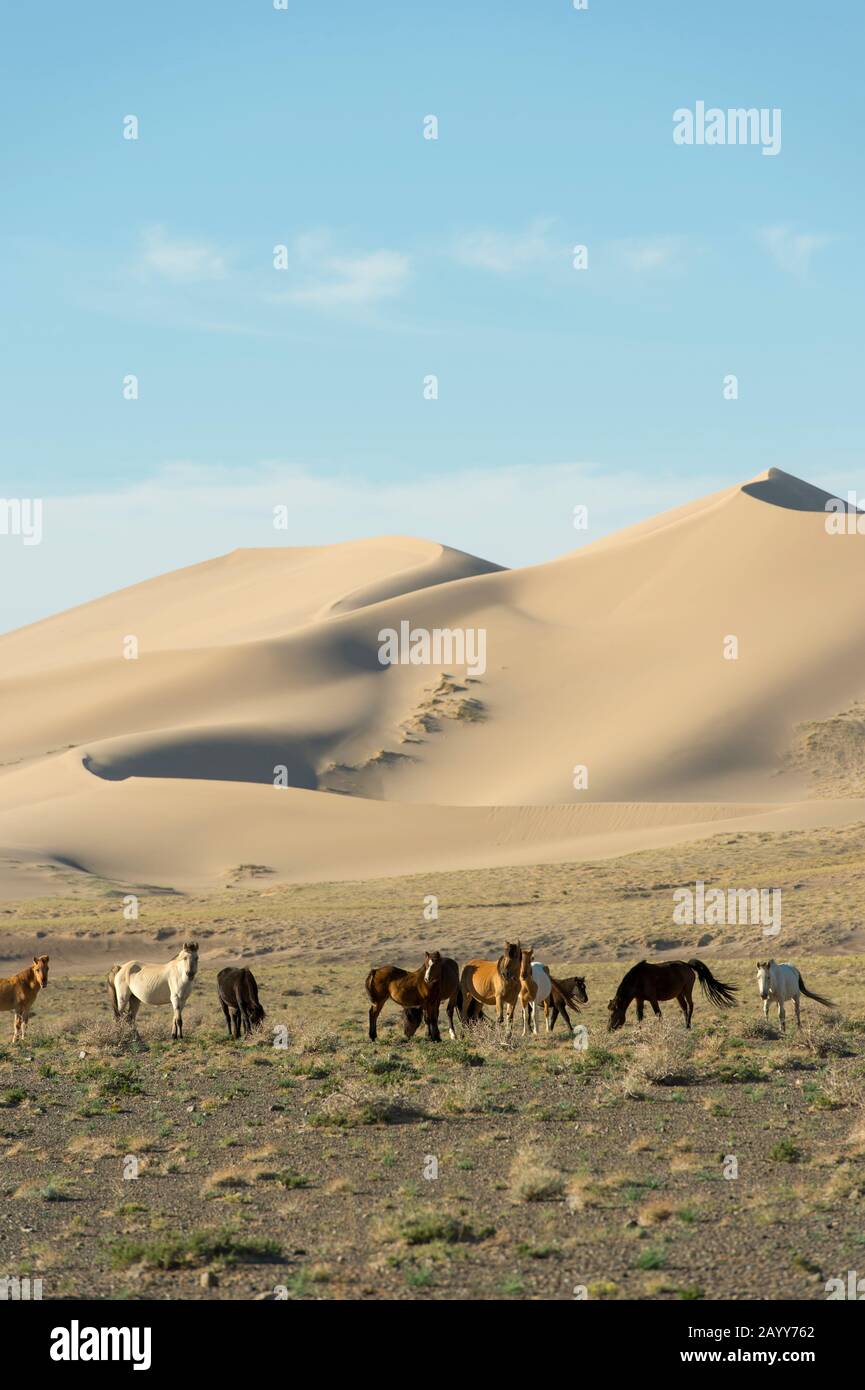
[368, 984]
[567, 994]
[112, 992]
[819, 998]
[720, 994]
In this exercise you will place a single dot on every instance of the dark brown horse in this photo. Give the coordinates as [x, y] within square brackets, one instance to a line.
[569, 991]
[238, 995]
[673, 979]
[412, 989]
[450, 994]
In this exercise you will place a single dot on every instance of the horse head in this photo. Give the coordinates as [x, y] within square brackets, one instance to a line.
[764, 977]
[617, 1014]
[580, 991]
[432, 967]
[188, 957]
[526, 956]
[509, 963]
[40, 971]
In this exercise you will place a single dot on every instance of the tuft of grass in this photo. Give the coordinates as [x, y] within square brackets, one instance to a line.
[201, 1247]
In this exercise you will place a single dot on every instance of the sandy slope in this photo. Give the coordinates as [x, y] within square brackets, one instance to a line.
[611, 657]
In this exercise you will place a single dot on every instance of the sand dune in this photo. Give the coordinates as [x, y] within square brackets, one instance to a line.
[264, 664]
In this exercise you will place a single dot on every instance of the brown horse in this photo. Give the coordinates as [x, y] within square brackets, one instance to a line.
[673, 979]
[19, 991]
[412, 989]
[571, 990]
[493, 982]
[238, 994]
[449, 994]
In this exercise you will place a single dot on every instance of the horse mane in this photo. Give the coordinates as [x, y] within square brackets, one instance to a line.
[630, 977]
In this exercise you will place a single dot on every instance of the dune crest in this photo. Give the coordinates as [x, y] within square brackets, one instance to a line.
[675, 662]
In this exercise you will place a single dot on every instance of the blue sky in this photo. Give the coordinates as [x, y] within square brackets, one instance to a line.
[408, 257]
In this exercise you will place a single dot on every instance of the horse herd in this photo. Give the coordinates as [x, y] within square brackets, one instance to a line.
[514, 978]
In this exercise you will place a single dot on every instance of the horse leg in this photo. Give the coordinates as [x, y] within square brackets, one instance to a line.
[796, 1003]
[451, 1033]
[132, 1012]
[432, 1022]
[782, 1017]
[227, 1015]
[683, 1005]
[639, 1010]
[560, 1009]
[374, 1011]
[655, 1009]
[17, 1035]
[766, 1008]
[177, 1028]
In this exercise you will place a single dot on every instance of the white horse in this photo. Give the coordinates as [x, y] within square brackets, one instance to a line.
[535, 992]
[132, 984]
[778, 984]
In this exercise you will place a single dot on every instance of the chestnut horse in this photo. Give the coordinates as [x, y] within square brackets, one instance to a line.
[494, 982]
[19, 991]
[413, 990]
[571, 990]
[673, 979]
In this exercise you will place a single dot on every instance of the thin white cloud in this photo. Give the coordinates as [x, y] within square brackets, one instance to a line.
[505, 253]
[648, 257]
[180, 260]
[335, 280]
[792, 251]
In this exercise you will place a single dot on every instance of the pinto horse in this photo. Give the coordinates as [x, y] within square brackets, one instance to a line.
[18, 992]
[416, 991]
[493, 982]
[673, 979]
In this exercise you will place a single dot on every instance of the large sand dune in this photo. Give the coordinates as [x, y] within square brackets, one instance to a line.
[161, 769]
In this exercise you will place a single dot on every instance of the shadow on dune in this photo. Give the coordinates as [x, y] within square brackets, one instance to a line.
[245, 757]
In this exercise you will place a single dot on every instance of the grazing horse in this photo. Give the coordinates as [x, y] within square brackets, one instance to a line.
[18, 992]
[535, 988]
[563, 992]
[238, 995]
[132, 984]
[449, 994]
[779, 983]
[673, 979]
[414, 990]
[493, 982]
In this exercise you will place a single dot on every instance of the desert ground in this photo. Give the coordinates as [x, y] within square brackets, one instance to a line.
[303, 1170]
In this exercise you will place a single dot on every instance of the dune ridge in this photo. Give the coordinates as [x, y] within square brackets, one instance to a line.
[263, 666]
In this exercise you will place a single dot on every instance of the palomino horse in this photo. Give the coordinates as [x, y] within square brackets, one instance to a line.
[673, 979]
[414, 990]
[19, 991]
[238, 995]
[132, 984]
[571, 990]
[779, 983]
[493, 982]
